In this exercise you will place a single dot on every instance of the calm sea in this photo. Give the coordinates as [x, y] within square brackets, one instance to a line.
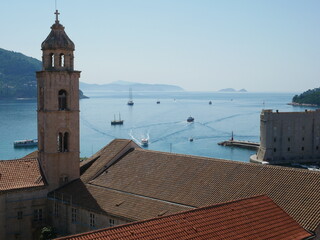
[164, 124]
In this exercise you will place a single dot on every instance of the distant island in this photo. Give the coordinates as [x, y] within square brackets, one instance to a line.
[18, 75]
[124, 86]
[307, 98]
[232, 90]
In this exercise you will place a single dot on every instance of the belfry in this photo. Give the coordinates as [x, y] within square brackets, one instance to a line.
[58, 109]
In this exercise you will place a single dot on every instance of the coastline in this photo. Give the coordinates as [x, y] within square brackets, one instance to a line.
[302, 104]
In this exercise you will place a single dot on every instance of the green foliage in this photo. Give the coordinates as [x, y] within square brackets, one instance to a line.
[17, 75]
[308, 97]
[47, 233]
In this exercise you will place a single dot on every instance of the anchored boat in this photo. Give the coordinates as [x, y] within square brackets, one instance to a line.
[130, 102]
[117, 121]
[26, 143]
[190, 119]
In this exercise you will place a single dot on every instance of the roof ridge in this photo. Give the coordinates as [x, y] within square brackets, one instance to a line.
[139, 195]
[228, 161]
[20, 159]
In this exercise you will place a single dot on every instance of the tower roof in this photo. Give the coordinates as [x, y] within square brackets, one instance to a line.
[57, 39]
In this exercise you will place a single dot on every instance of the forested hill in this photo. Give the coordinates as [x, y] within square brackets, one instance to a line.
[17, 75]
[311, 97]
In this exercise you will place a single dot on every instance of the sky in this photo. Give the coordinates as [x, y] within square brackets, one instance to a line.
[199, 45]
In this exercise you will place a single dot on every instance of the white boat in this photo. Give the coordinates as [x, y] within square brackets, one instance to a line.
[130, 102]
[144, 142]
[26, 143]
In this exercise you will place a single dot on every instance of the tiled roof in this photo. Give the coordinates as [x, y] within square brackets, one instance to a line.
[128, 206]
[20, 173]
[198, 181]
[253, 218]
[105, 155]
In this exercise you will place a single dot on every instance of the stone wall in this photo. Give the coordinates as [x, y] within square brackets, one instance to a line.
[289, 137]
[22, 213]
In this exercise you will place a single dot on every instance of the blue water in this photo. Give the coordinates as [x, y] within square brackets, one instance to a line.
[164, 124]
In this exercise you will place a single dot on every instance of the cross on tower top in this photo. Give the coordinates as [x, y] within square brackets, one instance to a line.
[57, 15]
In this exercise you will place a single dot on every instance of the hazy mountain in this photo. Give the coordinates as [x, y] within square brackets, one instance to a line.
[124, 86]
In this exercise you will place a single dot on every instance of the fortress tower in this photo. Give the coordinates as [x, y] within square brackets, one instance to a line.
[289, 137]
[58, 109]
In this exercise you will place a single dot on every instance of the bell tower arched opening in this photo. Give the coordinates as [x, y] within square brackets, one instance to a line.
[61, 60]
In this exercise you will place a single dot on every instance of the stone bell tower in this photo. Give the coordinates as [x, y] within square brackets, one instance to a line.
[58, 109]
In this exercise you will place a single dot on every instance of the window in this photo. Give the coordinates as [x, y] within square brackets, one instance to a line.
[63, 142]
[302, 138]
[92, 220]
[61, 60]
[317, 147]
[19, 215]
[274, 139]
[288, 139]
[60, 142]
[73, 215]
[274, 150]
[62, 98]
[288, 149]
[37, 215]
[302, 148]
[51, 60]
[111, 222]
[56, 209]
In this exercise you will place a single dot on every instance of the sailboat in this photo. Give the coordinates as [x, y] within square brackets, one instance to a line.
[117, 121]
[130, 102]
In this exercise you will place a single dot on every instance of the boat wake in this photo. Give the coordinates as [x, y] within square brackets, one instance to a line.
[142, 140]
[91, 126]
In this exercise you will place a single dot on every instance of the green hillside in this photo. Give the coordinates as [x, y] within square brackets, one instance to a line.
[308, 97]
[17, 75]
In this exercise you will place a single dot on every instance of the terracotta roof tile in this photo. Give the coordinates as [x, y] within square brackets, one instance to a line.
[253, 218]
[130, 207]
[20, 173]
[105, 155]
[198, 181]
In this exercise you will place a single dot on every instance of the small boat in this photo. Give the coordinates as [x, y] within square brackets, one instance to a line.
[210, 102]
[144, 142]
[26, 143]
[191, 139]
[190, 119]
[117, 121]
[130, 102]
[158, 102]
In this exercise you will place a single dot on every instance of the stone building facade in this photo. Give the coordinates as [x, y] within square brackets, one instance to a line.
[289, 137]
[23, 199]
